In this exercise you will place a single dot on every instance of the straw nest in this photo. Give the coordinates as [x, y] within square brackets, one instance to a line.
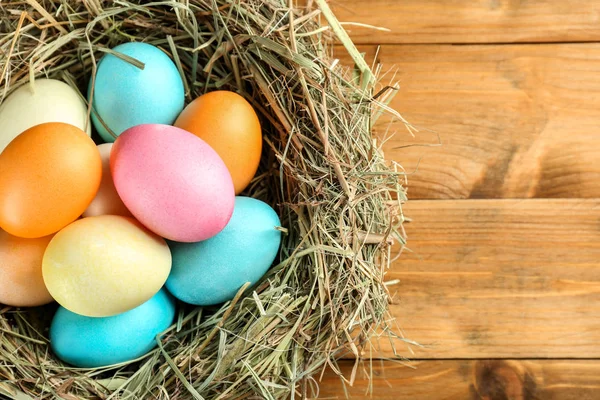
[322, 170]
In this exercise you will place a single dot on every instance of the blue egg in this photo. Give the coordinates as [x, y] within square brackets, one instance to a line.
[90, 342]
[125, 95]
[212, 271]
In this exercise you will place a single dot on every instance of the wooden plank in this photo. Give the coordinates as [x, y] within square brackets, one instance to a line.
[499, 279]
[472, 21]
[467, 379]
[515, 121]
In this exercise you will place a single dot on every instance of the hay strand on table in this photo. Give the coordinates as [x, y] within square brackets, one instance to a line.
[322, 170]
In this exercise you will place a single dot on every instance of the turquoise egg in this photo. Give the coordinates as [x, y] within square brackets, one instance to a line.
[125, 95]
[212, 271]
[90, 342]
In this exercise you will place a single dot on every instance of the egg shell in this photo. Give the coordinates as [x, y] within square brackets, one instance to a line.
[43, 100]
[172, 182]
[229, 124]
[49, 175]
[212, 271]
[88, 342]
[107, 200]
[125, 95]
[21, 281]
[105, 265]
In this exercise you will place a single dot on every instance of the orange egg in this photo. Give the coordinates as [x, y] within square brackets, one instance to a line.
[21, 281]
[49, 174]
[229, 124]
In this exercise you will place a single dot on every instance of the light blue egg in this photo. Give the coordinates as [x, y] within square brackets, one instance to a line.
[212, 271]
[90, 342]
[125, 95]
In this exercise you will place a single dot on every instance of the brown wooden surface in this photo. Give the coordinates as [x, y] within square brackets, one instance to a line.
[514, 120]
[500, 278]
[503, 292]
[472, 21]
[470, 380]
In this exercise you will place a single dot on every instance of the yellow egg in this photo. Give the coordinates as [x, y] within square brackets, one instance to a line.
[21, 282]
[105, 265]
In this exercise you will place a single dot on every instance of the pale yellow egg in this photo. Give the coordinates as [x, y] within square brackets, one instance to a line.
[105, 265]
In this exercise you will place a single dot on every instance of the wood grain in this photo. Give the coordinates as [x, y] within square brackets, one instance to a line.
[469, 380]
[515, 121]
[499, 279]
[472, 21]
[492, 289]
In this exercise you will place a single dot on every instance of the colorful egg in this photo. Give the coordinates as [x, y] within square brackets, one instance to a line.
[88, 342]
[21, 282]
[44, 100]
[49, 175]
[125, 95]
[229, 124]
[105, 265]
[212, 271]
[172, 182]
[107, 200]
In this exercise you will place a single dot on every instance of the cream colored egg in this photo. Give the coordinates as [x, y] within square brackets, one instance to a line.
[46, 100]
[105, 265]
[107, 200]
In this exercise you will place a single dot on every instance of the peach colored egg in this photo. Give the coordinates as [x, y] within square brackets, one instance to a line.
[21, 282]
[107, 200]
[229, 124]
[49, 175]
[172, 182]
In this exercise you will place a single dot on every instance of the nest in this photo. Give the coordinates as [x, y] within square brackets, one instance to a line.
[322, 169]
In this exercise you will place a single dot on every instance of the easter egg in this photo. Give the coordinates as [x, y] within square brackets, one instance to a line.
[88, 342]
[44, 100]
[172, 182]
[212, 271]
[105, 265]
[49, 174]
[228, 123]
[125, 95]
[21, 282]
[107, 200]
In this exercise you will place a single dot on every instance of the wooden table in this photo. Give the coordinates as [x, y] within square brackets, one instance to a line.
[502, 287]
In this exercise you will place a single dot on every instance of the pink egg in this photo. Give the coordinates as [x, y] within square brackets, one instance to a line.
[172, 182]
[107, 200]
